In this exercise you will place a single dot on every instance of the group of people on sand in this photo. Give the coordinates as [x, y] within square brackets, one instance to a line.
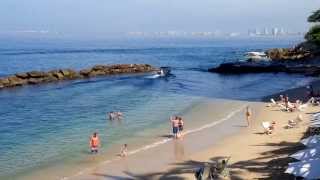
[94, 144]
[285, 103]
[177, 126]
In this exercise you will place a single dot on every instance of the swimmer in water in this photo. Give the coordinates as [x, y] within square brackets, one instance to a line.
[94, 143]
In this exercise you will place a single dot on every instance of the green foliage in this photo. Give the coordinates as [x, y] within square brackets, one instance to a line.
[315, 17]
[313, 35]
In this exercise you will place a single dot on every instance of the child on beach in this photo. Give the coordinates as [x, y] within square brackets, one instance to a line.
[181, 124]
[124, 151]
[94, 143]
[248, 115]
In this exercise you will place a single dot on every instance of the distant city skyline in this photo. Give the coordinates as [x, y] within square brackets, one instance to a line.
[99, 18]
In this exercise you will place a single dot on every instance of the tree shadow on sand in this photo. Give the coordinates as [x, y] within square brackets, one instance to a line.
[186, 167]
[271, 164]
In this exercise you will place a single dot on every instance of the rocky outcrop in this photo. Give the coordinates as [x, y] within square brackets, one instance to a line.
[285, 54]
[265, 67]
[37, 77]
[301, 52]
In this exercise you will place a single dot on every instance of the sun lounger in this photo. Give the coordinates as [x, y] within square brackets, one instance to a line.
[295, 122]
[303, 107]
[222, 168]
[273, 102]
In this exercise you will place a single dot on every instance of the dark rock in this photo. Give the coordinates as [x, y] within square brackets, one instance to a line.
[96, 73]
[16, 81]
[69, 73]
[248, 67]
[22, 75]
[36, 74]
[57, 74]
[254, 67]
[85, 72]
[5, 82]
[99, 67]
[35, 80]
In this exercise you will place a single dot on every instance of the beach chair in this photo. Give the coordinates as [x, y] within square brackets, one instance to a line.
[205, 172]
[222, 169]
[291, 124]
[294, 123]
[303, 107]
[273, 102]
[267, 127]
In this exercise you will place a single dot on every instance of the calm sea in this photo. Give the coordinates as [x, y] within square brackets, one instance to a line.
[50, 124]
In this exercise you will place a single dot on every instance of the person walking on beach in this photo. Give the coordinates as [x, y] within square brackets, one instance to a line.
[286, 102]
[248, 115]
[94, 143]
[175, 126]
[181, 124]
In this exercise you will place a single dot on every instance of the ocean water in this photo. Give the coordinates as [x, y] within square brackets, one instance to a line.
[49, 125]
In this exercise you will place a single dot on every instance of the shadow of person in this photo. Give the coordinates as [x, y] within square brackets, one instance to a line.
[178, 149]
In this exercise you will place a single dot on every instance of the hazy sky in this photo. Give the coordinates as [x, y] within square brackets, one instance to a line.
[102, 17]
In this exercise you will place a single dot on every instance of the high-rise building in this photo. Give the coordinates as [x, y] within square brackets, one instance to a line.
[257, 31]
[275, 31]
[266, 31]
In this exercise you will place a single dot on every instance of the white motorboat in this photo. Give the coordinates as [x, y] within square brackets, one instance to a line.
[257, 56]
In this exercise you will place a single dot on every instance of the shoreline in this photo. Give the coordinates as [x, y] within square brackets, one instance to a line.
[161, 138]
[282, 140]
[182, 149]
[190, 153]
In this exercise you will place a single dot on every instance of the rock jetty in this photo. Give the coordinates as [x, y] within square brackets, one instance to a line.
[38, 77]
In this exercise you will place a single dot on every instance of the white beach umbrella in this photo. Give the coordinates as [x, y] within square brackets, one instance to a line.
[315, 119]
[316, 115]
[315, 122]
[315, 125]
[308, 169]
[311, 141]
[306, 154]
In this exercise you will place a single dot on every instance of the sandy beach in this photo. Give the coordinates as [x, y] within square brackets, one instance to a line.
[253, 154]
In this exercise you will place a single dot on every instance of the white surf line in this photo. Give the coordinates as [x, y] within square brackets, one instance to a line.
[155, 144]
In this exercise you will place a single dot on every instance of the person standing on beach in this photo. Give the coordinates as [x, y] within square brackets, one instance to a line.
[248, 115]
[175, 126]
[286, 102]
[181, 124]
[94, 143]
